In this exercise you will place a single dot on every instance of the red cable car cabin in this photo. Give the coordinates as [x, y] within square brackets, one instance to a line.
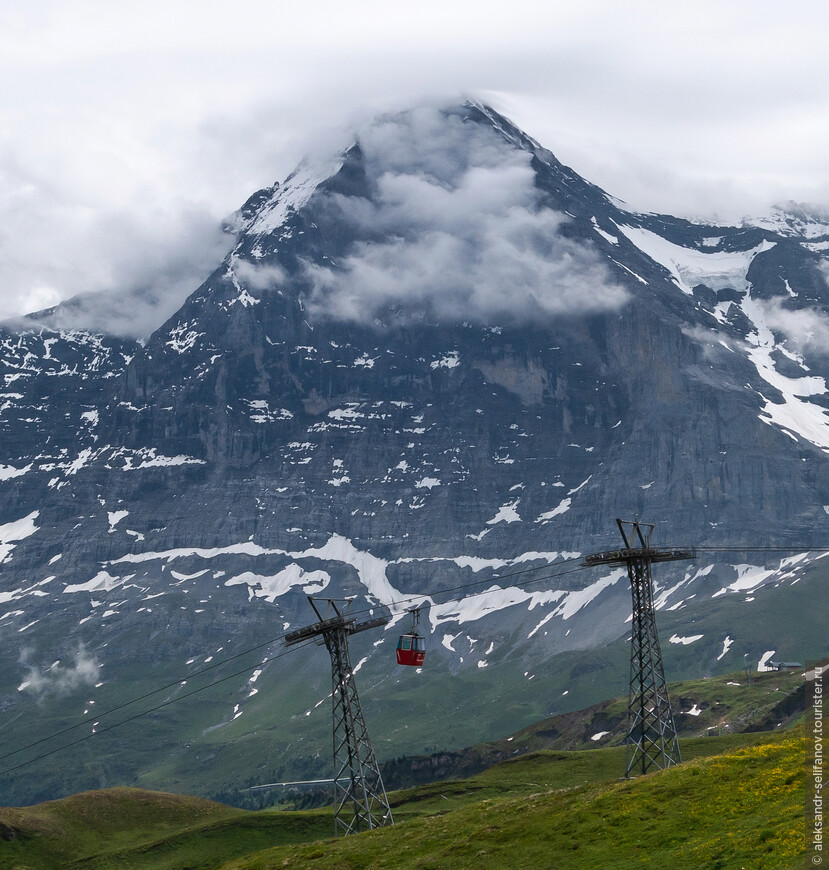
[411, 650]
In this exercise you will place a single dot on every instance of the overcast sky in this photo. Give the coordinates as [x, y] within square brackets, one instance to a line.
[128, 130]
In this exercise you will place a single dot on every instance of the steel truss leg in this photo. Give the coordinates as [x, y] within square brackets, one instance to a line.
[652, 739]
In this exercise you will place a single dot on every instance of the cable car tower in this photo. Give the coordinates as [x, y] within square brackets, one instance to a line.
[651, 738]
[360, 800]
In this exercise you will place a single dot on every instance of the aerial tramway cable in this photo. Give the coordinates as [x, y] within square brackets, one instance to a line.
[134, 717]
[194, 674]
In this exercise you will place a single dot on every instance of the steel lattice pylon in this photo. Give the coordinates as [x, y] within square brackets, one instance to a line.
[651, 738]
[360, 801]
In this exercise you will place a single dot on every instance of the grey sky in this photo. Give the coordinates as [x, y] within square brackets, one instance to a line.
[128, 130]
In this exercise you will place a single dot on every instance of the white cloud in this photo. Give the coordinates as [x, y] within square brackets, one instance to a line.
[144, 113]
[456, 232]
[258, 277]
[60, 679]
[57, 241]
[806, 328]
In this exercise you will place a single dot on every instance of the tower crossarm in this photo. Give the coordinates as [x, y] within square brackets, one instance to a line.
[317, 628]
[651, 554]
[348, 624]
[369, 623]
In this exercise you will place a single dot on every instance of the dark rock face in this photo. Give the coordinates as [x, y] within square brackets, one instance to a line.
[324, 415]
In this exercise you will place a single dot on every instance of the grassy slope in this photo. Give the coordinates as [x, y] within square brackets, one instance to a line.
[727, 704]
[742, 809]
[521, 805]
[131, 828]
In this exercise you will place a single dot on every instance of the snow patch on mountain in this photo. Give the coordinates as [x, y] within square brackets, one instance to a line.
[506, 514]
[479, 563]
[262, 413]
[370, 569]
[685, 641]
[272, 587]
[9, 472]
[726, 645]
[493, 599]
[115, 517]
[248, 548]
[575, 601]
[662, 598]
[450, 361]
[762, 664]
[794, 220]
[605, 235]
[562, 507]
[103, 581]
[13, 532]
[427, 483]
[689, 267]
[792, 415]
[751, 577]
[290, 197]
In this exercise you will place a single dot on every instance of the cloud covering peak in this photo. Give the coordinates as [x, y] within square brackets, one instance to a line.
[454, 229]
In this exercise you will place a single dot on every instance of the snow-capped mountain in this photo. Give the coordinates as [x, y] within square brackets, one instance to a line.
[440, 357]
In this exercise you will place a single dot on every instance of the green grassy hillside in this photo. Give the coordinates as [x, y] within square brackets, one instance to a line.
[135, 829]
[738, 798]
[741, 809]
[712, 706]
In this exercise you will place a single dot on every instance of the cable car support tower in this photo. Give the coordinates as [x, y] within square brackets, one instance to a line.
[360, 801]
[651, 738]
